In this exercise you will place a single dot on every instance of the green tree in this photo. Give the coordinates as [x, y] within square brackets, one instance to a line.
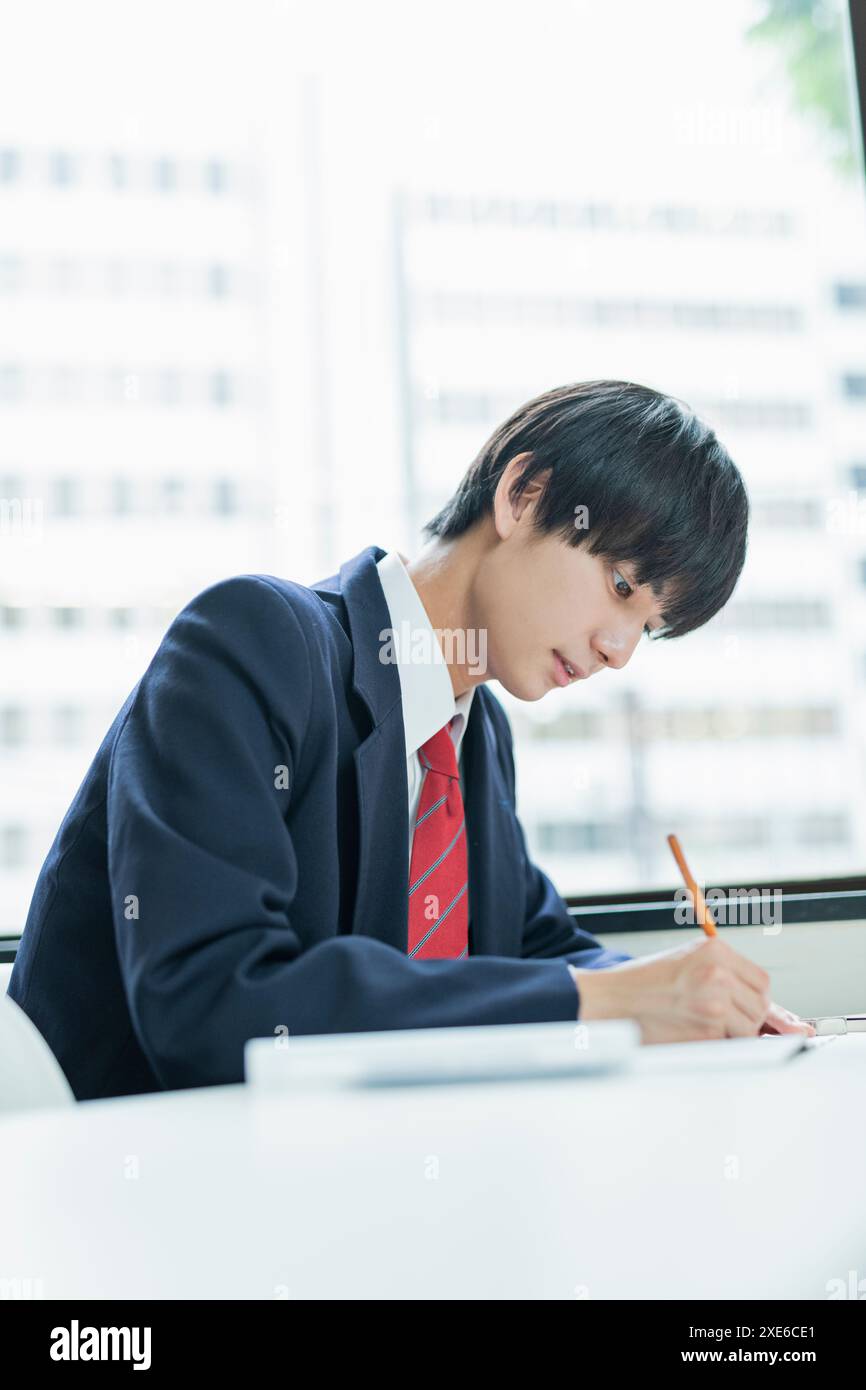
[811, 40]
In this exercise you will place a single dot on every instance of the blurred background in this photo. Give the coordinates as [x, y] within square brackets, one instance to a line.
[270, 274]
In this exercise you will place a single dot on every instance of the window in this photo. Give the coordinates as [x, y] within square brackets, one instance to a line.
[854, 385]
[11, 488]
[215, 176]
[11, 274]
[165, 175]
[689, 215]
[224, 497]
[121, 496]
[172, 494]
[67, 619]
[787, 513]
[217, 281]
[118, 172]
[10, 165]
[220, 388]
[13, 721]
[11, 383]
[168, 278]
[169, 387]
[61, 169]
[116, 277]
[849, 296]
[13, 846]
[705, 283]
[69, 724]
[66, 500]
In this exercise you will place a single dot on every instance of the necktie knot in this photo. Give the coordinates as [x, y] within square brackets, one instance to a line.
[438, 754]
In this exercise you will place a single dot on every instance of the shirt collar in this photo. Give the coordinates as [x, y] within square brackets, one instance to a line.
[425, 685]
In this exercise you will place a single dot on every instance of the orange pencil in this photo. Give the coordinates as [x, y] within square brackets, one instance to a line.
[702, 912]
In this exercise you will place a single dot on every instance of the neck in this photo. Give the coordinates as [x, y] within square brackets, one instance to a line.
[443, 574]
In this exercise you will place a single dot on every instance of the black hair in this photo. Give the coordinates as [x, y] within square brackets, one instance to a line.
[660, 492]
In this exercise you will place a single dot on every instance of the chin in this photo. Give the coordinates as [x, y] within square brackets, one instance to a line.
[523, 688]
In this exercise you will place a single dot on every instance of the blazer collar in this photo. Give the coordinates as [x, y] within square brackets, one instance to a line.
[377, 682]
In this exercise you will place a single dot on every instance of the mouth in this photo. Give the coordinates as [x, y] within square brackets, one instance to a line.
[566, 671]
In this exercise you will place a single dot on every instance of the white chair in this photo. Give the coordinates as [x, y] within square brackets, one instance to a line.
[31, 1078]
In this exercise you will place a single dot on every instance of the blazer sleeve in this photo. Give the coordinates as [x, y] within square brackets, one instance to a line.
[549, 931]
[203, 871]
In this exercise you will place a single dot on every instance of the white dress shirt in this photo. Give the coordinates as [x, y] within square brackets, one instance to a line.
[425, 685]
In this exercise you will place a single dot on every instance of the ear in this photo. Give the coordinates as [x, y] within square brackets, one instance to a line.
[510, 512]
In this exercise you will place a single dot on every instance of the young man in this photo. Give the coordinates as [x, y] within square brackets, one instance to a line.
[303, 817]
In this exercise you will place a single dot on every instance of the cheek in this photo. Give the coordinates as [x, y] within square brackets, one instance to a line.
[508, 643]
[533, 609]
[525, 614]
[520, 625]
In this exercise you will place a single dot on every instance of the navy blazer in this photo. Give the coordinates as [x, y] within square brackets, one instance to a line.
[235, 862]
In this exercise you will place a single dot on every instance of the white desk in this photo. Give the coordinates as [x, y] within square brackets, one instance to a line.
[646, 1185]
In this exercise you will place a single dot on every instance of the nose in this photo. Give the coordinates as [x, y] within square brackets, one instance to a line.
[614, 649]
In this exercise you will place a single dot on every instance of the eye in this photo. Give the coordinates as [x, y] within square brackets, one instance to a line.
[625, 590]
[621, 585]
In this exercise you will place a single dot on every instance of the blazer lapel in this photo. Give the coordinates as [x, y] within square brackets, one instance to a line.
[496, 889]
[382, 895]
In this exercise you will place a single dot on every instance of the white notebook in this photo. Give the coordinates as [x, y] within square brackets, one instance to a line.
[769, 1050]
[427, 1056]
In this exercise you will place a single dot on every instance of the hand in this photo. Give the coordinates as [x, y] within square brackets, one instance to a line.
[781, 1020]
[700, 991]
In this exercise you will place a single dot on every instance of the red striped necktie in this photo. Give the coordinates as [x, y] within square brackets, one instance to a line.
[438, 876]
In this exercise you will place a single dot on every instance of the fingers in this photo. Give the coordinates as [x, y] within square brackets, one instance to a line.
[751, 986]
[733, 995]
[781, 1020]
[706, 989]
[741, 1024]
